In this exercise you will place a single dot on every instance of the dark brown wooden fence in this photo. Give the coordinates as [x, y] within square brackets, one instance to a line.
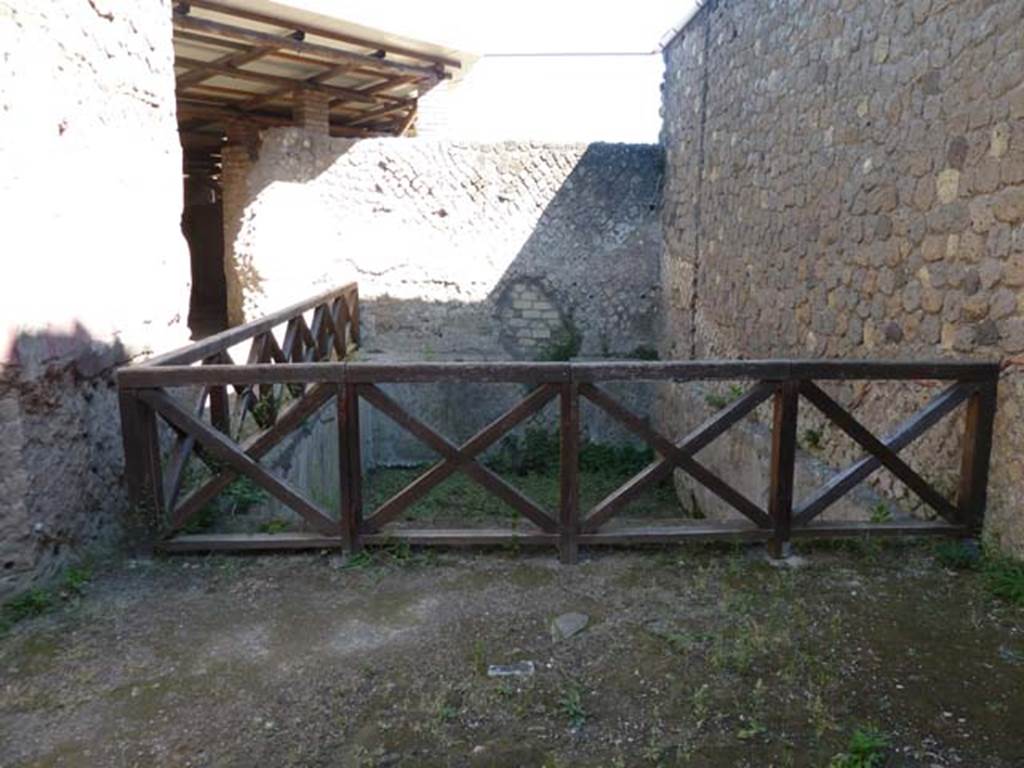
[311, 365]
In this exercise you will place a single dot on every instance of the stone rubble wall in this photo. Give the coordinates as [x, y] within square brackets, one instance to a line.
[845, 178]
[96, 271]
[456, 230]
[461, 251]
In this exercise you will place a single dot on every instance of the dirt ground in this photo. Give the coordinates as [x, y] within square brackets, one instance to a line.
[692, 657]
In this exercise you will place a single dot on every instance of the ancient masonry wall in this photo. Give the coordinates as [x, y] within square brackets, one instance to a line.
[470, 234]
[95, 267]
[461, 251]
[845, 178]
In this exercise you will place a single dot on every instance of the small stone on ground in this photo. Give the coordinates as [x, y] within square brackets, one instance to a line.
[518, 669]
[568, 624]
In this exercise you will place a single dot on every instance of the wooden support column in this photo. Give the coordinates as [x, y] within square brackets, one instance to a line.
[780, 495]
[143, 476]
[977, 452]
[569, 501]
[350, 468]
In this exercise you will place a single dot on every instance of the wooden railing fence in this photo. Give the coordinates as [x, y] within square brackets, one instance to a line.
[311, 365]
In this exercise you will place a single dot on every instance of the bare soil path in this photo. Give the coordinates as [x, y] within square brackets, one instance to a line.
[691, 657]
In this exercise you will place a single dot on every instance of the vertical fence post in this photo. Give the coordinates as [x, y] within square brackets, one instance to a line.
[350, 467]
[977, 452]
[569, 501]
[220, 411]
[780, 495]
[353, 315]
[143, 475]
[220, 414]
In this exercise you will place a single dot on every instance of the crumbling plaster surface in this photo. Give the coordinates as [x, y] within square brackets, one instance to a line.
[95, 267]
[845, 178]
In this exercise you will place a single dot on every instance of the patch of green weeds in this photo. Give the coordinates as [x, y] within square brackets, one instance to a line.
[358, 561]
[75, 579]
[866, 749]
[38, 600]
[738, 648]
[821, 717]
[243, 493]
[237, 498]
[538, 452]
[564, 345]
[265, 409]
[719, 400]
[571, 704]
[881, 513]
[812, 439]
[683, 642]
[530, 461]
[700, 704]
[447, 712]
[751, 730]
[1004, 578]
[480, 658]
[957, 555]
[202, 520]
[34, 602]
[392, 552]
[274, 526]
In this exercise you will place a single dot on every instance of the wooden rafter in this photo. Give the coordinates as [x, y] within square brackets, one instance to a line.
[219, 112]
[237, 73]
[209, 69]
[382, 112]
[305, 58]
[263, 39]
[374, 45]
[372, 86]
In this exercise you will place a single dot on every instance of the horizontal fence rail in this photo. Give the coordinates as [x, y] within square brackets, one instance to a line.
[285, 381]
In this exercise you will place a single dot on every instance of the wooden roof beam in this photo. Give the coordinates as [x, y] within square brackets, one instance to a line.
[382, 112]
[349, 94]
[338, 130]
[219, 113]
[196, 76]
[258, 101]
[285, 43]
[431, 77]
[432, 59]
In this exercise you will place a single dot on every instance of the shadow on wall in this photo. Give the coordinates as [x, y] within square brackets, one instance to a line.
[583, 280]
[60, 452]
[202, 224]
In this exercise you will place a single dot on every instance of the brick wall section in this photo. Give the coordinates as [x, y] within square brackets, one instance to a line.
[92, 194]
[312, 111]
[845, 178]
[530, 320]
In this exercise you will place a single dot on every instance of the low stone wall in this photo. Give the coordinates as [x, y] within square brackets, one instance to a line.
[845, 178]
[96, 269]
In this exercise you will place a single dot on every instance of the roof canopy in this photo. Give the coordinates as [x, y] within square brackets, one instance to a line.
[245, 62]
